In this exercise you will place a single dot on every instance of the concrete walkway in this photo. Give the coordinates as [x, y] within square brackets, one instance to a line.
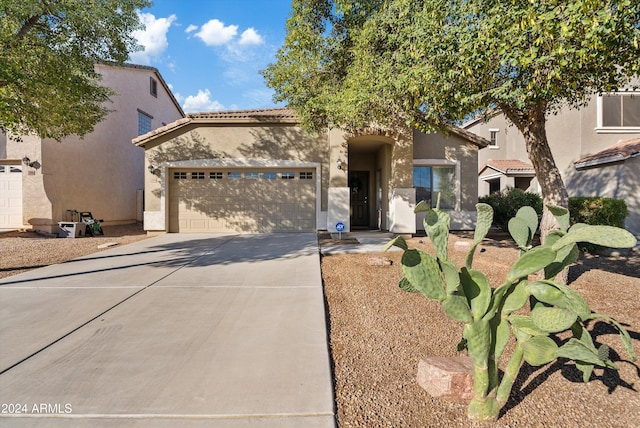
[369, 241]
[176, 330]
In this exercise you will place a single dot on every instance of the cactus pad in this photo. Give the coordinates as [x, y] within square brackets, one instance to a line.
[539, 350]
[553, 320]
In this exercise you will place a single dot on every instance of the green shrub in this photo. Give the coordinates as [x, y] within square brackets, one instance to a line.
[597, 211]
[506, 204]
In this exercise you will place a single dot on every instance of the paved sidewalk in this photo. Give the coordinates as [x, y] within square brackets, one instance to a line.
[176, 330]
[369, 241]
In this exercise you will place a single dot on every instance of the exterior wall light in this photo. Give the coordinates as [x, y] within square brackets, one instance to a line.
[152, 169]
[27, 162]
[340, 163]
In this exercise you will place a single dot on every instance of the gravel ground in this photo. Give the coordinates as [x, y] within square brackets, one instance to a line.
[378, 333]
[23, 251]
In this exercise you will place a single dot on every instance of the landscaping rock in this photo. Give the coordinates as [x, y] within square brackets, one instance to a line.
[379, 261]
[448, 378]
[462, 246]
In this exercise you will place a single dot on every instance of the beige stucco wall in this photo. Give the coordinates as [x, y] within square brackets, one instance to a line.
[103, 172]
[258, 141]
[455, 149]
[572, 134]
[389, 159]
[619, 180]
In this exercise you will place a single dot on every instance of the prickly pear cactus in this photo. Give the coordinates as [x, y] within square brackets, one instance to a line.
[488, 314]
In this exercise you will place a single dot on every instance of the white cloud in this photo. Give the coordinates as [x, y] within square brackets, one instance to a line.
[250, 37]
[215, 33]
[191, 28]
[153, 38]
[258, 98]
[201, 102]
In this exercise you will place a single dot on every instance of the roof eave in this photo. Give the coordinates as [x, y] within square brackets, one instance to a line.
[611, 159]
[469, 136]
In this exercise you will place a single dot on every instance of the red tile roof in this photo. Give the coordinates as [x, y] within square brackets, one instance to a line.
[509, 166]
[620, 151]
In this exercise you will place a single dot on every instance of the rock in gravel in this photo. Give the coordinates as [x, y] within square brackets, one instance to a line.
[450, 378]
[379, 261]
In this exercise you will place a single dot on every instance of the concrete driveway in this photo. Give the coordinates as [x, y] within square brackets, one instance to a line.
[176, 330]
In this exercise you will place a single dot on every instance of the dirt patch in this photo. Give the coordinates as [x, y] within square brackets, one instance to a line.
[378, 333]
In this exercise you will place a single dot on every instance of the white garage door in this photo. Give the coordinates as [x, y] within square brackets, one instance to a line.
[242, 200]
[10, 196]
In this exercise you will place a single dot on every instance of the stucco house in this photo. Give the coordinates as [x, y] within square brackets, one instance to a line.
[595, 147]
[259, 171]
[42, 181]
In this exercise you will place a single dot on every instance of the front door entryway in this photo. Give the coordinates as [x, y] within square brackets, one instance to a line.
[359, 190]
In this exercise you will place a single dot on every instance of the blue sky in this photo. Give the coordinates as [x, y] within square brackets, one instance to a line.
[210, 51]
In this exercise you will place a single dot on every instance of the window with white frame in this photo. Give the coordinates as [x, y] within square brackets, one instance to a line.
[234, 175]
[252, 175]
[493, 138]
[431, 180]
[215, 175]
[619, 112]
[288, 175]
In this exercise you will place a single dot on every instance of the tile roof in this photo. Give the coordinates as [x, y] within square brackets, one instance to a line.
[622, 150]
[281, 115]
[267, 113]
[232, 116]
[509, 166]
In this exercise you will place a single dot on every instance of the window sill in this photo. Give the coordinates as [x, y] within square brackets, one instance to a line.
[620, 130]
[494, 147]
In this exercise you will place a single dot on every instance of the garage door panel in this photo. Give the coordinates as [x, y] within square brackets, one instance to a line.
[249, 204]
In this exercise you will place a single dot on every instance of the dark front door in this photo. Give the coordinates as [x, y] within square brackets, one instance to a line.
[359, 188]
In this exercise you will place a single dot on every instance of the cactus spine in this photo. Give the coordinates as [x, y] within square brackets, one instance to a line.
[487, 313]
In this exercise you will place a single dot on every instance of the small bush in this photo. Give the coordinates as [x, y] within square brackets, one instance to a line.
[597, 211]
[506, 204]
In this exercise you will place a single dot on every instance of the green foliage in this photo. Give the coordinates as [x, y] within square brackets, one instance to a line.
[506, 204]
[598, 211]
[487, 313]
[48, 49]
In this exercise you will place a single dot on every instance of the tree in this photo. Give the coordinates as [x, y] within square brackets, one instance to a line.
[48, 49]
[433, 63]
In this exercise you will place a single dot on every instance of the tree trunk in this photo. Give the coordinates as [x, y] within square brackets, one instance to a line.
[532, 125]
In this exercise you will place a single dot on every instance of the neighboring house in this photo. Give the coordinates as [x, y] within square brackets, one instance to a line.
[581, 141]
[43, 181]
[259, 171]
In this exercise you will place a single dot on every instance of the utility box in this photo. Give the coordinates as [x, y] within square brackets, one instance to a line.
[70, 229]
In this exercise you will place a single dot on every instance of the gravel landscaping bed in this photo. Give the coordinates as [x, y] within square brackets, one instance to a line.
[26, 250]
[378, 333]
